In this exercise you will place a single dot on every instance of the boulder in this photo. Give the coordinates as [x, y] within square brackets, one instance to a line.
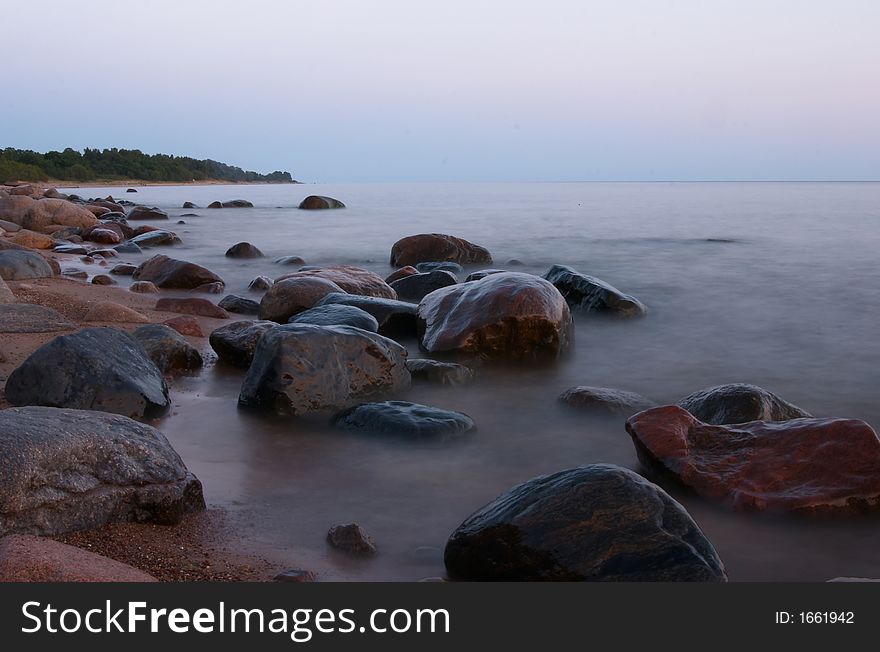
[67, 470]
[351, 538]
[123, 269]
[23, 189]
[240, 305]
[72, 249]
[128, 248]
[145, 213]
[236, 203]
[9, 227]
[235, 343]
[806, 465]
[243, 250]
[439, 373]
[294, 295]
[103, 235]
[18, 265]
[336, 314]
[290, 260]
[217, 287]
[108, 311]
[131, 190]
[416, 287]
[592, 523]
[443, 265]
[398, 274]
[511, 315]
[94, 369]
[319, 202]
[353, 280]
[301, 368]
[156, 238]
[167, 348]
[95, 210]
[30, 318]
[437, 247]
[189, 204]
[260, 284]
[143, 287]
[395, 318]
[32, 239]
[45, 212]
[738, 403]
[605, 400]
[170, 273]
[103, 279]
[215, 204]
[590, 294]
[200, 307]
[185, 326]
[403, 419]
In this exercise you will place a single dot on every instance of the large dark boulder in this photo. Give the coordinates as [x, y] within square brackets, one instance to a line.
[235, 343]
[239, 305]
[395, 318]
[417, 286]
[439, 373]
[437, 247]
[237, 203]
[403, 419]
[590, 294]
[510, 315]
[243, 250]
[301, 368]
[738, 403]
[145, 213]
[354, 280]
[592, 523]
[294, 295]
[66, 470]
[319, 202]
[21, 265]
[167, 348]
[95, 369]
[170, 273]
[336, 314]
[605, 400]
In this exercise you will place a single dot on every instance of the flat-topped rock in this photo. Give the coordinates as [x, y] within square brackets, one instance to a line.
[437, 247]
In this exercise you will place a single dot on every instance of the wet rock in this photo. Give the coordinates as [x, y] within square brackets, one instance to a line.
[72, 249]
[605, 400]
[217, 287]
[590, 294]
[66, 470]
[76, 273]
[398, 274]
[437, 247]
[353, 280]
[145, 213]
[128, 248]
[260, 284]
[416, 287]
[95, 369]
[439, 373]
[200, 307]
[236, 203]
[738, 403]
[167, 348]
[290, 260]
[30, 318]
[144, 228]
[37, 215]
[170, 273]
[243, 250]
[240, 305]
[300, 368]
[215, 204]
[235, 343]
[157, 238]
[104, 253]
[592, 523]
[352, 539]
[123, 269]
[337, 315]
[319, 202]
[108, 311]
[143, 287]
[510, 315]
[444, 265]
[103, 279]
[404, 419]
[294, 295]
[131, 190]
[104, 236]
[32, 240]
[185, 326]
[189, 204]
[807, 465]
[483, 273]
[23, 265]
[296, 576]
[395, 318]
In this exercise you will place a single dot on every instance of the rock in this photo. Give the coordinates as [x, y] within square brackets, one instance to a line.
[260, 284]
[23, 189]
[416, 287]
[128, 248]
[215, 204]
[319, 202]
[9, 227]
[236, 203]
[185, 326]
[511, 315]
[738, 403]
[108, 311]
[6, 296]
[104, 236]
[30, 318]
[294, 295]
[296, 576]
[145, 213]
[72, 249]
[76, 273]
[335, 314]
[189, 204]
[32, 240]
[169, 273]
[290, 260]
[23, 265]
[52, 193]
[156, 238]
[806, 465]
[436, 247]
[97, 211]
[123, 269]
[142, 229]
[200, 307]
[26, 558]
[104, 253]
[440, 373]
[604, 400]
[235, 343]
[243, 250]
[217, 287]
[66, 470]
[445, 265]
[103, 279]
[300, 368]
[109, 204]
[240, 305]
[395, 318]
[401, 418]
[353, 280]
[598, 522]
[94, 369]
[144, 287]
[481, 274]
[352, 539]
[590, 294]
[398, 274]
[167, 348]
[39, 214]
[131, 190]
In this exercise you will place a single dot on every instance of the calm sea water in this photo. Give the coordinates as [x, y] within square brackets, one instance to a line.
[772, 284]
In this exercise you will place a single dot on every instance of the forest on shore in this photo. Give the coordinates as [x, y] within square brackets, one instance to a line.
[120, 165]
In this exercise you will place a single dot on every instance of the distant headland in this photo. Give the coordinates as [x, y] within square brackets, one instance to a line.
[113, 166]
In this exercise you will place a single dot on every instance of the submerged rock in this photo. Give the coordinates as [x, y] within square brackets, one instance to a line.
[353, 280]
[290, 260]
[167, 348]
[404, 419]
[236, 203]
[319, 202]
[440, 373]
[592, 523]
[66, 470]
[738, 403]
[417, 286]
[353, 539]
[337, 315]
[437, 247]
[243, 250]
[170, 273]
[590, 294]
[235, 343]
[260, 283]
[18, 265]
[395, 318]
[292, 296]
[604, 400]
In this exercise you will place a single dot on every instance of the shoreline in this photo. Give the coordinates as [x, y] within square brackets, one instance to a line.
[115, 183]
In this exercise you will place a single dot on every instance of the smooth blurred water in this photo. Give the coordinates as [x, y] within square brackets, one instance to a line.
[770, 283]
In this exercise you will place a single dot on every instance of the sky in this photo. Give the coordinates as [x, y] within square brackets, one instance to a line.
[477, 90]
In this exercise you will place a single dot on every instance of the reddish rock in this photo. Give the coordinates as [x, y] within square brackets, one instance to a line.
[185, 326]
[23, 189]
[429, 247]
[26, 558]
[403, 272]
[510, 315]
[200, 307]
[353, 280]
[294, 295]
[142, 229]
[808, 465]
[95, 210]
[353, 539]
[104, 235]
[143, 287]
[170, 273]
[216, 287]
